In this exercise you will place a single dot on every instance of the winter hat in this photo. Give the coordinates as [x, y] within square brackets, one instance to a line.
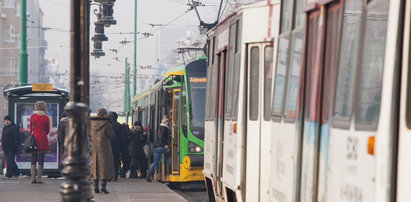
[138, 123]
[102, 112]
[113, 115]
[7, 117]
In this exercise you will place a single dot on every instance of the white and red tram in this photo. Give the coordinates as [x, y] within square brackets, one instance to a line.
[309, 101]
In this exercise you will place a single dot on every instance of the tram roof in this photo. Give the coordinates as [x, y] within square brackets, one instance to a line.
[26, 90]
[175, 71]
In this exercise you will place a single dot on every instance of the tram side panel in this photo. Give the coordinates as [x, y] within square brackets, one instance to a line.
[403, 174]
[354, 171]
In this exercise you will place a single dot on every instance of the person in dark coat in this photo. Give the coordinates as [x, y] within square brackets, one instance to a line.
[10, 141]
[138, 157]
[40, 128]
[102, 166]
[63, 124]
[124, 154]
[116, 142]
[161, 145]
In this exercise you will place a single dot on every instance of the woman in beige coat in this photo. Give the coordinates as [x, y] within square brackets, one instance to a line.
[102, 158]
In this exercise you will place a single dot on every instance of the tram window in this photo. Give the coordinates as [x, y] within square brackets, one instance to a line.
[347, 66]
[213, 51]
[312, 68]
[280, 77]
[286, 12]
[330, 60]
[254, 83]
[214, 88]
[236, 76]
[237, 37]
[371, 73]
[184, 110]
[208, 94]
[299, 14]
[294, 76]
[408, 100]
[230, 74]
[268, 69]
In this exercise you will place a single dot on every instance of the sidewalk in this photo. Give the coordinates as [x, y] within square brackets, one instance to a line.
[20, 190]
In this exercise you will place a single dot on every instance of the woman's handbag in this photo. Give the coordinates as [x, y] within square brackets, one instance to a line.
[30, 144]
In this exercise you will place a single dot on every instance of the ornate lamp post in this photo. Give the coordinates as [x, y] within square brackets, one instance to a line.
[99, 37]
[76, 186]
[76, 171]
[104, 19]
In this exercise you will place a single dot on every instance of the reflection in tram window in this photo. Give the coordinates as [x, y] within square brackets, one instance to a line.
[268, 69]
[280, 76]
[294, 75]
[254, 82]
[369, 94]
[348, 58]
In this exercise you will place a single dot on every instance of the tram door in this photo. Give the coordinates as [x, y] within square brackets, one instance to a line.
[175, 134]
[320, 67]
[221, 69]
[255, 117]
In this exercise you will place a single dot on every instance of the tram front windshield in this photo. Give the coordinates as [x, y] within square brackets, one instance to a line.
[197, 103]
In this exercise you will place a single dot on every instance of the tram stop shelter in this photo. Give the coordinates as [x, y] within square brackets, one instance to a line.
[21, 101]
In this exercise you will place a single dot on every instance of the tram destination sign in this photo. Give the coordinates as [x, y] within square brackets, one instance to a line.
[42, 87]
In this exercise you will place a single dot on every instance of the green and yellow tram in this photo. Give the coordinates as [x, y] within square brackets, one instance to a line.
[181, 96]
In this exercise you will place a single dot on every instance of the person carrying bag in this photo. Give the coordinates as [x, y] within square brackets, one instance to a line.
[30, 144]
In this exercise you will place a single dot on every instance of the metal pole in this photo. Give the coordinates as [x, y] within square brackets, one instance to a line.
[128, 87]
[23, 43]
[135, 50]
[125, 86]
[76, 171]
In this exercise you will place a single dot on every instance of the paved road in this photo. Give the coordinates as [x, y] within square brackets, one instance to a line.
[194, 195]
[20, 190]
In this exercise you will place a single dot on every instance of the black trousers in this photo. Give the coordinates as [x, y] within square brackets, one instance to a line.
[125, 159]
[116, 156]
[12, 169]
[138, 162]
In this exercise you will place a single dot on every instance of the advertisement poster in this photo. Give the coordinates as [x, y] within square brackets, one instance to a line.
[23, 112]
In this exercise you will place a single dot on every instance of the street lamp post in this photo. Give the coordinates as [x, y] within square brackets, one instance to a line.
[76, 171]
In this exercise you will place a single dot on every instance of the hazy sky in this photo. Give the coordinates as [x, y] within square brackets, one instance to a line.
[56, 16]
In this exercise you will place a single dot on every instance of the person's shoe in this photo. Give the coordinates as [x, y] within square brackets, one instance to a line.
[96, 189]
[148, 178]
[33, 174]
[104, 187]
[104, 191]
[115, 179]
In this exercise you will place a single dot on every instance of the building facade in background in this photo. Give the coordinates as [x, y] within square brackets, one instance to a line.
[36, 44]
[9, 53]
[9, 46]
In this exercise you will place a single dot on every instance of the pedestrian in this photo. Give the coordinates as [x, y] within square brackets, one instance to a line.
[124, 154]
[10, 141]
[115, 142]
[102, 166]
[136, 151]
[161, 145]
[40, 128]
[61, 136]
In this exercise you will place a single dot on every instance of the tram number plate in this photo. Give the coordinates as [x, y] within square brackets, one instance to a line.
[42, 87]
[351, 193]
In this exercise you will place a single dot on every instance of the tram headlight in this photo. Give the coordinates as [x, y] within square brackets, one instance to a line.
[194, 148]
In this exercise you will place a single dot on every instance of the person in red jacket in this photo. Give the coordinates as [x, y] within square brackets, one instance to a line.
[40, 128]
